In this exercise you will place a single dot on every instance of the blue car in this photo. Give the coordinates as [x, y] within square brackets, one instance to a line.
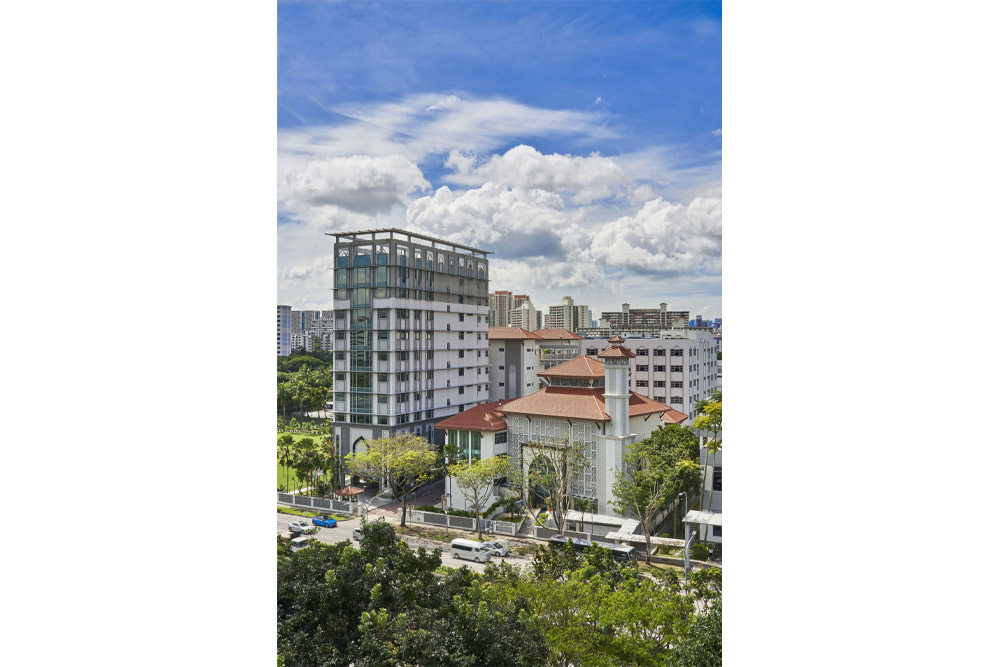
[325, 521]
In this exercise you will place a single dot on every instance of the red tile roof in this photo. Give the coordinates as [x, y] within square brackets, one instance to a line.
[517, 333]
[584, 403]
[479, 418]
[508, 333]
[672, 416]
[585, 368]
[556, 334]
[616, 350]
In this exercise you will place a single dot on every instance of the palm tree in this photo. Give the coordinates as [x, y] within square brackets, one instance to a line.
[285, 443]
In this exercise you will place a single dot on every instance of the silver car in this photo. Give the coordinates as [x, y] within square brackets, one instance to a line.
[300, 527]
[496, 548]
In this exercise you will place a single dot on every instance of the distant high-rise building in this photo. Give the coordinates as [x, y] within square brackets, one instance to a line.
[284, 330]
[501, 303]
[567, 315]
[302, 320]
[646, 320]
[524, 316]
[410, 325]
[718, 322]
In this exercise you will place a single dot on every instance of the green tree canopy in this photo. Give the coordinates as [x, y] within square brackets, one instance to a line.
[405, 461]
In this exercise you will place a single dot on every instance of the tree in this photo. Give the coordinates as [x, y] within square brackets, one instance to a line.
[552, 470]
[710, 419]
[476, 481]
[652, 476]
[404, 461]
[284, 395]
[307, 457]
[285, 443]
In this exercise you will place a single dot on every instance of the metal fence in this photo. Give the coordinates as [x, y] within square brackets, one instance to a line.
[310, 502]
[461, 522]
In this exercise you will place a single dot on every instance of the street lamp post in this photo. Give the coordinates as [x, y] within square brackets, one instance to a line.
[684, 493]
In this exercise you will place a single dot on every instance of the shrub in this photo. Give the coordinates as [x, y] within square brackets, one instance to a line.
[509, 506]
[437, 510]
[699, 551]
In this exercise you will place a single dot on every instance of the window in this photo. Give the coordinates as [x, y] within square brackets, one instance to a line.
[501, 349]
[659, 383]
[461, 335]
[659, 352]
[642, 352]
[676, 384]
[659, 369]
[642, 383]
[461, 390]
[340, 356]
[717, 478]
[677, 352]
[642, 368]
[461, 372]
[676, 400]
[339, 376]
[500, 384]
[716, 531]
[676, 369]
[591, 351]
[461, 354]
[461, 317]
[383, 335]
[501, 368]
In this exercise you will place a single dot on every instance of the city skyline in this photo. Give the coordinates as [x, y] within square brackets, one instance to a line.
[579, 143]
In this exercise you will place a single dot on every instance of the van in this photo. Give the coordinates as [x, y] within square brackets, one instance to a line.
[469, 550]
[300, 543]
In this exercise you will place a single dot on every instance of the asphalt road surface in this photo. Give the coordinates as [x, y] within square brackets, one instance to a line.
[344, 530]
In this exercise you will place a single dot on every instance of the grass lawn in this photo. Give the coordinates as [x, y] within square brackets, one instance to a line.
[292, 482]
[309, 514]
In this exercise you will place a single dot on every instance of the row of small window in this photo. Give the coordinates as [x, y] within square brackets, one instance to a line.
[644, 368]
[660, 383]
[362, 256]
[643, 352]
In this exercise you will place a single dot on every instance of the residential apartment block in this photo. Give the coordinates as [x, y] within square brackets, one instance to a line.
[284, 330]
[567, 315]
[524, 316]
[410, 333]
[643, 319]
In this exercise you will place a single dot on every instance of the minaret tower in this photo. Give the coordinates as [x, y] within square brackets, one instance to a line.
[616, 392]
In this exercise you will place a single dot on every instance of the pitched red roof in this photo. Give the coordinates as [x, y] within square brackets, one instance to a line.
[508, 333]
[583, 403]
[616, 350]
[672, 416]
[581, 368]
[479, 418]
[556, 334]
[517, 333]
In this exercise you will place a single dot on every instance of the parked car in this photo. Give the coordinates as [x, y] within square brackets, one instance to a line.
[356, 535]
[325, 521]
[300, 527]
[496, 548]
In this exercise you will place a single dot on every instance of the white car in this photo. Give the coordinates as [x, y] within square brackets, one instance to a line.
[300, 527]
[496, 548]
[356, 534]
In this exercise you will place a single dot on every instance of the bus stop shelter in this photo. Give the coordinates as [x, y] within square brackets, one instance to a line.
[697, 518]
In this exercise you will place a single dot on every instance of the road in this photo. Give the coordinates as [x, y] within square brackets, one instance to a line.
[344, 529]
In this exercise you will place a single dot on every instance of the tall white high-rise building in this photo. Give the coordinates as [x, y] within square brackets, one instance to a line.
[410, 333]
[524, 316]
[284, 330]
[567, 315]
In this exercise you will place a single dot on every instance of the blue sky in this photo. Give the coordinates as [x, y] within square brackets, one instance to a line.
[580, 141]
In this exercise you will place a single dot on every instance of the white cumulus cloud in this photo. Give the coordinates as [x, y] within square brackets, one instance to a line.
[360, 183]
[584, 179]
[665, 238]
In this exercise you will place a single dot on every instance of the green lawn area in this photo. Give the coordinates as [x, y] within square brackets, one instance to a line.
[292, 482]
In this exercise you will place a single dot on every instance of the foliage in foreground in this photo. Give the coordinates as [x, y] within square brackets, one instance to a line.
[383, 604]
